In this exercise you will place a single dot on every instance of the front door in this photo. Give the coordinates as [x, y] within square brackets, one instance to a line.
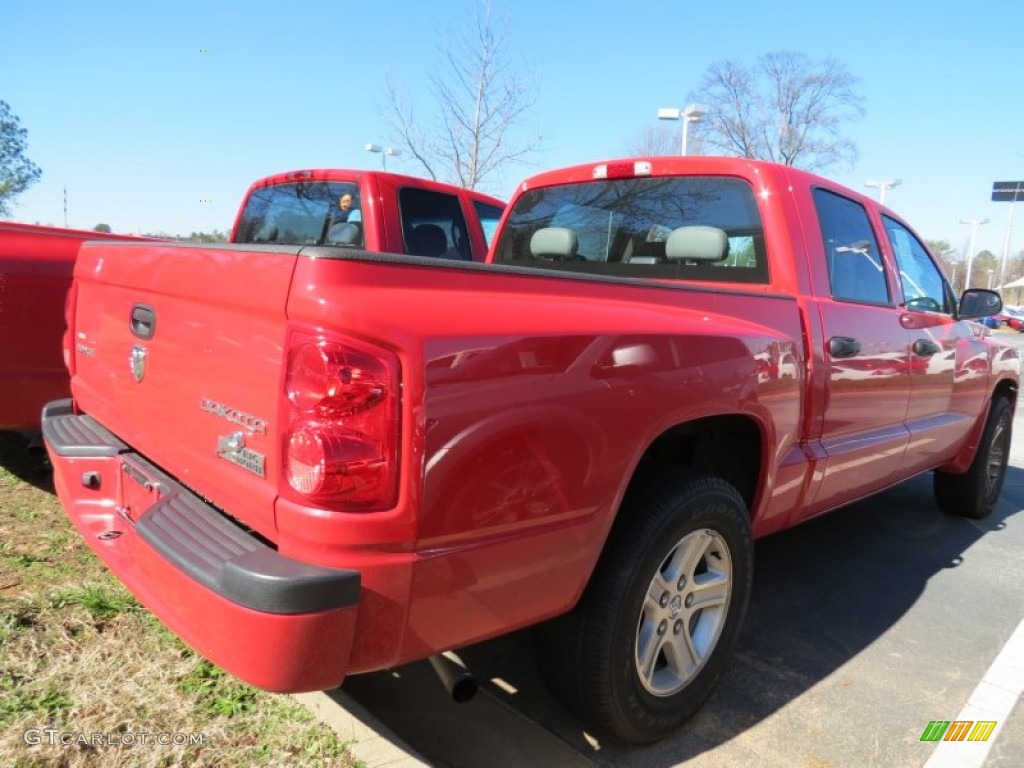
[948, 361]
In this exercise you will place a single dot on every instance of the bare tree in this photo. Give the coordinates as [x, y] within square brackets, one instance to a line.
[478, 102]
[951, 262]
[655, 140]
[786, 108]
[665, 139]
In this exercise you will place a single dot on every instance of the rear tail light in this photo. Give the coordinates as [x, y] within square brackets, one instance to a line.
[68, 340]
[341, 445]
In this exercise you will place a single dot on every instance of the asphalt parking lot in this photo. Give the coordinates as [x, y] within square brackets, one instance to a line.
[864, 626]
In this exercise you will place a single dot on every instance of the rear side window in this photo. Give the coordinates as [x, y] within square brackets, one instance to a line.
[489, 217]
[303, 213]
[433, 224]
[686, 227]
[855, 266]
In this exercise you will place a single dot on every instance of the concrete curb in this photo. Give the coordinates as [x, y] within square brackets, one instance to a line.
[369, 740]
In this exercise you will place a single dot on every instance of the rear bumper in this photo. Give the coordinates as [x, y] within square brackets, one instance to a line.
[273, 621]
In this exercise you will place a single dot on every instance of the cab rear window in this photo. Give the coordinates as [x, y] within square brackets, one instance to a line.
[693, 228]
[303, 213]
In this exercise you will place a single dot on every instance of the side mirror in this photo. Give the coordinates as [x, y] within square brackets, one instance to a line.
[978, 302]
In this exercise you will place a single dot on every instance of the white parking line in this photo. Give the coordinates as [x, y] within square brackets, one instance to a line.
[993, 699]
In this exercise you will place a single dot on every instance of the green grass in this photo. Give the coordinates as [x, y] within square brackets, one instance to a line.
[80, 655]
[215, 693]
[99, 600]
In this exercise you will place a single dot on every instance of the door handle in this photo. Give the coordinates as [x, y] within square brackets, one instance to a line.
[926, 347]
[843, 346]
[143, 321]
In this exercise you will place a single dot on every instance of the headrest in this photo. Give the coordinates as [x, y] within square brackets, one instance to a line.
[697, 243]
[554, 243]
[427, 240]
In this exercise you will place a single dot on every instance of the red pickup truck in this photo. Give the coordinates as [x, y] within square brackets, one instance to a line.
[382, 212]
[311, 462]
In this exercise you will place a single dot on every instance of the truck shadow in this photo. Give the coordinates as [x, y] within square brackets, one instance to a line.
[823, 592]
[26, 460]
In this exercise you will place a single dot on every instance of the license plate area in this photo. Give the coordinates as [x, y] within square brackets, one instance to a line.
[140, 489]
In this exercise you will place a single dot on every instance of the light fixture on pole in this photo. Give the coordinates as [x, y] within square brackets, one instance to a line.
[883, 186]
[384, 153]
[975, 223]
[691, 113]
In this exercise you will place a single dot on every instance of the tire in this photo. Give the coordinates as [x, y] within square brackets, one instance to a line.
[643, 649]
[974, 494]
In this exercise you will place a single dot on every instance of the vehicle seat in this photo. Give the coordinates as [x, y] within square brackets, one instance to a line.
[427, 240]
[348, 233]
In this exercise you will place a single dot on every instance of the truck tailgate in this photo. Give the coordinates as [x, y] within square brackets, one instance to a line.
[178, 350]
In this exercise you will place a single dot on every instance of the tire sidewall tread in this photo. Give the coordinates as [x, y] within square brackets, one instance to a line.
[966, 495]
[655, 517]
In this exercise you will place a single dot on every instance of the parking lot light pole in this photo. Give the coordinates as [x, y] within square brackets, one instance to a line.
[975, 223]
[883, 186]
[384, 152]
[692, 113]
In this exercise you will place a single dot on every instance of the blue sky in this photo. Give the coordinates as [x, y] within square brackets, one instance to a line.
[124, 108]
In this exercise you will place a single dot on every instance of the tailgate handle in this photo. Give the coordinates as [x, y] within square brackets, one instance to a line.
[843, 346]
[143, 321]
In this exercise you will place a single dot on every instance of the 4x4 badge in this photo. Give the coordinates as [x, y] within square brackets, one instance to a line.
[138, 362]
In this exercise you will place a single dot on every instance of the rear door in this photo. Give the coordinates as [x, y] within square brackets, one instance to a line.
[868, 381]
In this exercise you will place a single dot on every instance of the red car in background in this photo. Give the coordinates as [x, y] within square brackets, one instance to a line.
[36, 265]
[1013, 317]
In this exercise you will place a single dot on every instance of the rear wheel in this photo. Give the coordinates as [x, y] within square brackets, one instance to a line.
[654, 629]
[975, 493]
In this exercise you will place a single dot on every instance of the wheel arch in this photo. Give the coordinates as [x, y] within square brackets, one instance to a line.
[1004, 388]
[730, 446]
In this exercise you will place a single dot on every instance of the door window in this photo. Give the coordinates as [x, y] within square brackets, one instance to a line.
[433, 224]
[855, 266]
[924, 288]
[489, 217]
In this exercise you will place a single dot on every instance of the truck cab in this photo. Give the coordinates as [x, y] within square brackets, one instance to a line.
[370, 210]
